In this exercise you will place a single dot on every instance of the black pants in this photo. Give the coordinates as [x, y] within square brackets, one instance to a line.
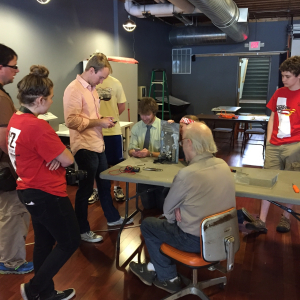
[53, 221]
[94, 163]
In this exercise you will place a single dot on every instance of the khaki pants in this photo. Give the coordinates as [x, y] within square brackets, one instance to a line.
[283, 157]
[14, 223]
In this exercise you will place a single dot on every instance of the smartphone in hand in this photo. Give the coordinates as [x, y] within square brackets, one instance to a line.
[115, 122]
[137, 149]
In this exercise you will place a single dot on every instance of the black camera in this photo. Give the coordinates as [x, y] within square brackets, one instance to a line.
[7, 180]
[73, 175]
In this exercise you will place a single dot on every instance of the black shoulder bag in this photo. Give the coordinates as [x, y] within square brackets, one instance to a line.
[7, 180]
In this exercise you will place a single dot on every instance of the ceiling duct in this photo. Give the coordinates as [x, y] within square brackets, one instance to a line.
[233, 22]
[185, 6]
[200, 35]
[160, 10]
[226, 16]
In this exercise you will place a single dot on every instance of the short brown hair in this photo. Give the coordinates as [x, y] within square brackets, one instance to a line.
[98, 61]
[6, 54]
[292, 65]
[148, 105]
[35, 84]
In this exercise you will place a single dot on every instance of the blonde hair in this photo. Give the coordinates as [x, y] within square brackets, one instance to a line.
[192, 117]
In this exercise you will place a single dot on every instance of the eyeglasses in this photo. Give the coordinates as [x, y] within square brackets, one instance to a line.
[180, 143]
[13, 67]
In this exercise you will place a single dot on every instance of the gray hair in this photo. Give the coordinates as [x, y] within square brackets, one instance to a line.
[202, 138]
[98, 61]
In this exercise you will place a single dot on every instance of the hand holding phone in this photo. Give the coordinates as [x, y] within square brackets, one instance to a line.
[115, 122]
[137, 149]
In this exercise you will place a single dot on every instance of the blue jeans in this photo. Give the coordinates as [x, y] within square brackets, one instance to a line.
[240, 216]
[94, 163]
[157, 232]
[53, 221]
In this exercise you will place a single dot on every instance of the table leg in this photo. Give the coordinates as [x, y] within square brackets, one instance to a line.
[236, 130]
[126, 139]
[126, 217]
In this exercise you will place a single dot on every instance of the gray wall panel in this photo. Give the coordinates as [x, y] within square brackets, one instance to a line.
[58, 35]
[63, 33]
[211, 83]
[218, 76]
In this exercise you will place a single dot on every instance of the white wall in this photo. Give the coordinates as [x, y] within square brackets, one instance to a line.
[127, 74]
[295, 47]
[243, 65]
[58, 35]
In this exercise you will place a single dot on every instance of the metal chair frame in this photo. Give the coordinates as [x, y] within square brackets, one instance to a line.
[225, 130]
[219, 241]
[256, 131]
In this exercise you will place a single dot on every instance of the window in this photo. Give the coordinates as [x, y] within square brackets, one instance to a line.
[181, 61]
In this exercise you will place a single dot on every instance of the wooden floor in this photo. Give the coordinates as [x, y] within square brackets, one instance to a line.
[267, 266]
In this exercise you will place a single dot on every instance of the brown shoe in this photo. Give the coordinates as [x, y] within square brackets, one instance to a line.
[284, 225]
[258, 225]
[247, 216]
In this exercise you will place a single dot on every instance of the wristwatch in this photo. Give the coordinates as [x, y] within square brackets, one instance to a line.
[151, 154]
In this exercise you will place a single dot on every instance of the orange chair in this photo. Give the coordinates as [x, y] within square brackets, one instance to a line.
[219, 241]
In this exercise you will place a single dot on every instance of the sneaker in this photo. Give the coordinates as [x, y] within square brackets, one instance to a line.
[169, 286]
[23, 269]
[141, 271]
[91, 237]
[62, 295]
[119, 195]
[247, 216]
[94, 197]
[258, 225]
[26, 294]
[284, 225]
[119, 222]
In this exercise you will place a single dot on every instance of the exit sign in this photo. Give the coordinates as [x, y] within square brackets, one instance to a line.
[254, 45]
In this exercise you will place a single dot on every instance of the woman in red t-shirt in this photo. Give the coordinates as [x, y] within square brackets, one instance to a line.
[39, 158]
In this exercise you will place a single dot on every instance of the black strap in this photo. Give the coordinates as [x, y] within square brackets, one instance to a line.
[289, 210]
[25, 110]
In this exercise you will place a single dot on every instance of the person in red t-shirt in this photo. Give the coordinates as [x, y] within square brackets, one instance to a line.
[283, 136]
[39, 158]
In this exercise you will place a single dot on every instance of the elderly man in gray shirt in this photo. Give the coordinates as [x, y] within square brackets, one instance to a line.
[203, 188]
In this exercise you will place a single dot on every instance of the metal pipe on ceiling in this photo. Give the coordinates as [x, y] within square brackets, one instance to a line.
[226, 16]
[184, 5]
[200, 35]
[159, 10]
[233, 22]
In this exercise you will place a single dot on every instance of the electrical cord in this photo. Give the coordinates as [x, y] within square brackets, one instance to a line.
[127, 169]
